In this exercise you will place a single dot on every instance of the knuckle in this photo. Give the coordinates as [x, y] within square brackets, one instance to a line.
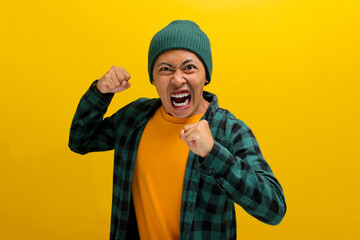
[204, 123]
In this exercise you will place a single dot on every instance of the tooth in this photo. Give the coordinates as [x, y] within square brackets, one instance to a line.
[180, 95]
[180, 104]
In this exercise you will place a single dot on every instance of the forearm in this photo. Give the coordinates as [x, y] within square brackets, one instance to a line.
[248, 180]
[89, 131]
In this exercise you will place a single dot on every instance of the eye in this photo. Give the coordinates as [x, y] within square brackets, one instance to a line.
[165, 69]
[190, 67]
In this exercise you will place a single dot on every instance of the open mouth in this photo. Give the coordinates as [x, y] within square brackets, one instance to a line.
[180, 99]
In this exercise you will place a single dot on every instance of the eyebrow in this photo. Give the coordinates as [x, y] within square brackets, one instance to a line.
[168, 64]
[165, 63]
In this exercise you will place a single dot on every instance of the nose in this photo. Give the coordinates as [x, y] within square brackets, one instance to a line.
[178, 78]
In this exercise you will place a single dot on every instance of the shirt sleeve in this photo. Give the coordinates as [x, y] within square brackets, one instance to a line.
[245, 176]
[89, 130]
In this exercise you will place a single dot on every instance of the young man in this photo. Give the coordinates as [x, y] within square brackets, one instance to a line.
[181, 162]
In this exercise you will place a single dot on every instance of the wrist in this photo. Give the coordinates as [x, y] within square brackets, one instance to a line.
[96, 86]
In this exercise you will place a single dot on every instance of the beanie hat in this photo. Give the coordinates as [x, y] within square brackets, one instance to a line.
[181, 34]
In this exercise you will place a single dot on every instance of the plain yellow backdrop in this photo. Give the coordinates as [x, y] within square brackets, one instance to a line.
[288, 68]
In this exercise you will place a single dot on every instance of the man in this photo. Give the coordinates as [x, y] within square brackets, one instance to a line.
[181, 162]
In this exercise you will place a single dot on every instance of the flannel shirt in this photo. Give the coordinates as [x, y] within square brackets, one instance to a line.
[233, 172]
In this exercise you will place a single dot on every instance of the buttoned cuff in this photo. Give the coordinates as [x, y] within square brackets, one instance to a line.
[98, 99]
[217, 162]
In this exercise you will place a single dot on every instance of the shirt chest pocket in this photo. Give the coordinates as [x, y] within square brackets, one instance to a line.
[210, 198]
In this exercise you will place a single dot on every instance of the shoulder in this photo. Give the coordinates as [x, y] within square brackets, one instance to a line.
[142, 104]
[222, 121]
[219, 117]
[226, 121]
[232, 132]
[136, 112]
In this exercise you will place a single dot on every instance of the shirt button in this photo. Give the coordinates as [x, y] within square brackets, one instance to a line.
[211, 171]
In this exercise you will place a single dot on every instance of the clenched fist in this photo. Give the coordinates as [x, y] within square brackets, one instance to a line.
[198, 137]
[114, 81]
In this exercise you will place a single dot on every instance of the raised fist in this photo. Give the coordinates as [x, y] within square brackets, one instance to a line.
[114, 81]
[198, 137]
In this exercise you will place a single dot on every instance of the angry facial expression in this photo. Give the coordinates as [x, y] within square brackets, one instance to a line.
[179, 77]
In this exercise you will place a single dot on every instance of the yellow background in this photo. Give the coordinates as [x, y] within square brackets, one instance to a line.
[288, 68]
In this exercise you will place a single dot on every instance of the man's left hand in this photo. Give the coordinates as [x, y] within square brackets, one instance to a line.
[198, 137]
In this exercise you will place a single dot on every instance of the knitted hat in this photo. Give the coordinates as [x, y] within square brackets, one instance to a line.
[181, 34]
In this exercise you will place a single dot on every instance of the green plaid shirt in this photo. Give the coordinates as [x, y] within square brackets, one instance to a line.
[234, 171]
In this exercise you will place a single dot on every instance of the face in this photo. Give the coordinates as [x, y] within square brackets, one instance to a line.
[179, 77]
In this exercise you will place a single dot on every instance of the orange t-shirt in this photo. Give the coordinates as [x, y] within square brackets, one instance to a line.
[159, 175]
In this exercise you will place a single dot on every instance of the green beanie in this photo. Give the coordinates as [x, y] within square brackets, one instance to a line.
[181, 34]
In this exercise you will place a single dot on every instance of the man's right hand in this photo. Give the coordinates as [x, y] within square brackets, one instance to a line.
[114, 81]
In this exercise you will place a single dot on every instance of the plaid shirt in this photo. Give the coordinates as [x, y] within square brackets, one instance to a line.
[233, 172]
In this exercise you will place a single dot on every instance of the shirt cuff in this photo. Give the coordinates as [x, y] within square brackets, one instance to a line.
[217, 162]
[98, 99]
